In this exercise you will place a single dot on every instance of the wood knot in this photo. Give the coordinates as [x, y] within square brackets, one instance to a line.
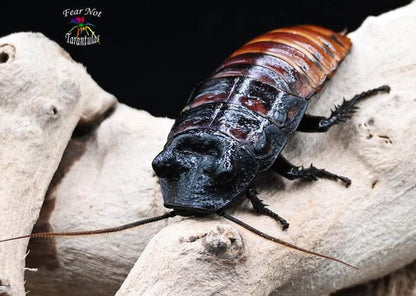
[224, 242]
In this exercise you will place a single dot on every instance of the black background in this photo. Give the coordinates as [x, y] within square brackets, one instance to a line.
[153, 53]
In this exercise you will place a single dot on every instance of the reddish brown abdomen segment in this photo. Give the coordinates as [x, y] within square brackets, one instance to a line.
[296, 60]
[267, 81]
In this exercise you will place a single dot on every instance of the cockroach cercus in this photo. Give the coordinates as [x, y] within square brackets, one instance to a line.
[237, 122]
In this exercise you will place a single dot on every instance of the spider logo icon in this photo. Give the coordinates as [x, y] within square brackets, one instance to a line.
[82, 26]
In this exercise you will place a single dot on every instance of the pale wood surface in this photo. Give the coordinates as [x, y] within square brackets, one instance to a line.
[106, 179]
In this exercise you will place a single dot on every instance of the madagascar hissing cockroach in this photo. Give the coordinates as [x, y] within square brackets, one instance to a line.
[237, 122]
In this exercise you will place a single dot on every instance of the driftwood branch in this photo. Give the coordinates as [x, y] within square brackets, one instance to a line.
[370, 224]
[105, 179]
[43, 95]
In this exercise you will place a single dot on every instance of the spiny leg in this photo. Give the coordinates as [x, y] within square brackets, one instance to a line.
[260, 208]
[292, 172]
[311, 123]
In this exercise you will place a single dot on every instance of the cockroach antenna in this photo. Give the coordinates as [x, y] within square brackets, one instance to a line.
[92, 232]
[279, 241]
[165, 216]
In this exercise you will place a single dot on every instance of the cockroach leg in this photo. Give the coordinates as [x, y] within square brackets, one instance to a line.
[320, 124]
[283, 167]
[260, 208]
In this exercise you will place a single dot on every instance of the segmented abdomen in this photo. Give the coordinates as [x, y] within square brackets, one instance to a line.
[271, 76]
[296, 60]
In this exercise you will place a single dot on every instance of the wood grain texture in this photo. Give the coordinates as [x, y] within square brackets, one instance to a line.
[371, 224]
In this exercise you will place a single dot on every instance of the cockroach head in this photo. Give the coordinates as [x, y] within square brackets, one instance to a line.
[202, 171]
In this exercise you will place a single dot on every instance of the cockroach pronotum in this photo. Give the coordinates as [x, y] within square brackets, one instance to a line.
[237, 122]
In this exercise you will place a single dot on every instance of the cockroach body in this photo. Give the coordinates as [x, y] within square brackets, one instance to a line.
[237, 122]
